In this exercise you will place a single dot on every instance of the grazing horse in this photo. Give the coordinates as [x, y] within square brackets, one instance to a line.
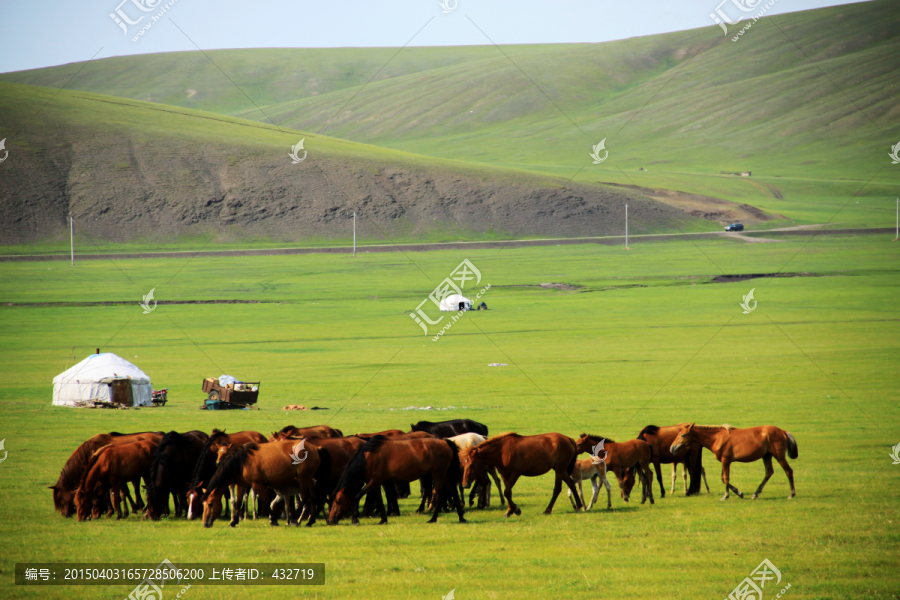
[661, 438]
[514, 455]
[588, 468]
[295, 433]
[447, 429]
[730, 444]
[621, 456]
[483, 484]
[400, 489]
[74, 469]
[262, 467]
[206, 464]
[380, 461]
[110, 468]
[170, 473]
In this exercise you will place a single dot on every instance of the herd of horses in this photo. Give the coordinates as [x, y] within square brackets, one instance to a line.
[259, 476]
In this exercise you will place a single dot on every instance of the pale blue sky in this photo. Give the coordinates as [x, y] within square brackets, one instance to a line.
[39, 34]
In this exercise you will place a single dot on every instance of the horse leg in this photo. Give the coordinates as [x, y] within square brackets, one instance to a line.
[580, 489]
[648, 475]
[658, 467]
[117, 499]
[767, 461]
[726, 479]
[137, 494]
[684, 476]
[437, 495]
[510, 481]
[618, 475]
[703, 472]
[127, 498]
[790, 474]
[675, 476]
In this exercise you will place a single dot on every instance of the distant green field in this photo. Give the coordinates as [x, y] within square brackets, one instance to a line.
[645, 337]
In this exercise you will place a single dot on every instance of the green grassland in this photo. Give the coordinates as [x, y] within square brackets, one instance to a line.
[645, 338]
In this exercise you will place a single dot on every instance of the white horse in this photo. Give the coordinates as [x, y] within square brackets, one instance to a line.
[586, 468]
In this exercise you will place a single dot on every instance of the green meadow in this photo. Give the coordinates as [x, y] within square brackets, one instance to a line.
[644, 336]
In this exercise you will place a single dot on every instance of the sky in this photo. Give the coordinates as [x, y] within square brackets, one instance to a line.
[41, 34]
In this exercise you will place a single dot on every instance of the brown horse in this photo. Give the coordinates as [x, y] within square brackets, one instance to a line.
[290, 432]
[111, 467]
[74, 469]
[262, 467]
[514, 455]
[730, 444]
[621, 456]
[206, 464]
[381, 461]
[660, 439]
[170, 473]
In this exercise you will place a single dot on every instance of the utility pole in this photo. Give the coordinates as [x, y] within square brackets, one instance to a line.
[626, 227]
[72, 237]
[354, 235]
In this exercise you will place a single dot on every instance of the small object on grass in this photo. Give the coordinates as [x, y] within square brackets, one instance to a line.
[498, 365]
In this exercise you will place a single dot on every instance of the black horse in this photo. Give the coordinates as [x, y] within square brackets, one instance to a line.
[170, 472]
[448, 429]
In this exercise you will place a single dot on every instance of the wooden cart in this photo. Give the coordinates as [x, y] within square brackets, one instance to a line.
[242, 394]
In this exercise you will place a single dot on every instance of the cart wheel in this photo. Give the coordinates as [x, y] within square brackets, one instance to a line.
[214, 395]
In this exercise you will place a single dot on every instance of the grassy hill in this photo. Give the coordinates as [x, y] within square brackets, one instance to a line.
[805, 101]
[130, 170]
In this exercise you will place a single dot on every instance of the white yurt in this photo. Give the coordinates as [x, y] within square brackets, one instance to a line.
[452, 303]
[104, 377]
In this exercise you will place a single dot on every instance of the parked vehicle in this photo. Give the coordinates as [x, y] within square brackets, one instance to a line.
[735, 227]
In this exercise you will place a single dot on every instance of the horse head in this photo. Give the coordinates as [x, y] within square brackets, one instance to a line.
[470, 465]
[194, 502]
[212, 507]
[684, 439]
[342, 504]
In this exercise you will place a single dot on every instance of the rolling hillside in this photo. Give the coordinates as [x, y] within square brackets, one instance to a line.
[129, 170]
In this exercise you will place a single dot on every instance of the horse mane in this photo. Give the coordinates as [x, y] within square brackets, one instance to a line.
[648, 430]
[231, 466]
[355, 474]
[206, 458]
[500, 435]
[90, 464]
[598, 438]
[75, 467]
[724, 426]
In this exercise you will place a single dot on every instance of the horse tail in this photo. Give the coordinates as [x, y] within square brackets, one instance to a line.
[793, 452]
[323, 475]
[453, 474]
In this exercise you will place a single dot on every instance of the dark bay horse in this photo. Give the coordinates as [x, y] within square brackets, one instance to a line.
[170, 472]
[109, 469]
[74, 469]
[262, 467]
[400, 489]
[730, 444]
[206, 464]
[622, 456]
[381, 461]
[447, 429]
[514, 455]
[661, 439]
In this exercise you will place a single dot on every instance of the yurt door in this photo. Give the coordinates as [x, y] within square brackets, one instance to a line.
[121, 391]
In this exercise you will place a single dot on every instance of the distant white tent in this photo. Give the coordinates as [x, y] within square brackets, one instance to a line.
[451, 303]
[105, 377]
